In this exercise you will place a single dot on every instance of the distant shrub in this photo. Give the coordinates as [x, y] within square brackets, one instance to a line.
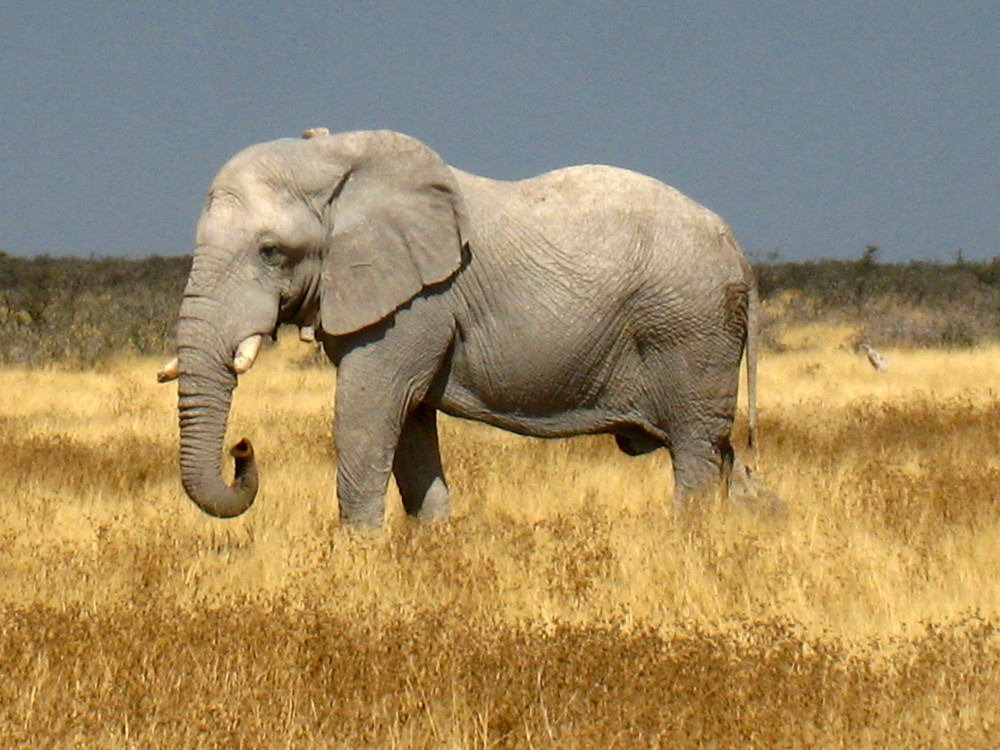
[916, 304]
[81, 312]
[958, 333]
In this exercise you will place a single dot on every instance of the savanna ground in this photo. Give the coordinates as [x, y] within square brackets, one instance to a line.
[560, 607]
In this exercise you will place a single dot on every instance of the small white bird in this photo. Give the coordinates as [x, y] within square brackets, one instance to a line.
[880, 363]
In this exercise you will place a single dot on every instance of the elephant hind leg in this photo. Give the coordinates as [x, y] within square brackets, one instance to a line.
[702, 470]
[417, 467]
[717, 474]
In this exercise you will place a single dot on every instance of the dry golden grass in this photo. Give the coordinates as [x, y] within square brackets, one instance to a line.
[561, 607]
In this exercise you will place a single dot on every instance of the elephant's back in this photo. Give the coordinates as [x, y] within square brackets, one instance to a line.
[583, 188]
[592, 186]
[623, 215]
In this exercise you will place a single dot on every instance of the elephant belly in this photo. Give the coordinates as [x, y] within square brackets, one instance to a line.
[557, 396]
[531, 422]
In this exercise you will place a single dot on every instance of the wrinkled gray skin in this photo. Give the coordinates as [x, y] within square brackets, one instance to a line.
[587, 300]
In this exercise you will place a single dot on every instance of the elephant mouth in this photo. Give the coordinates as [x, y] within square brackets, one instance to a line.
[301, 306]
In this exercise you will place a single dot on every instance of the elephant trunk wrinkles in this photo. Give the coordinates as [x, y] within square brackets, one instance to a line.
[204, 401]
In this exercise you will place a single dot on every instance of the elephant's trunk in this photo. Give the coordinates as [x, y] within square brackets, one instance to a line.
[205, 395]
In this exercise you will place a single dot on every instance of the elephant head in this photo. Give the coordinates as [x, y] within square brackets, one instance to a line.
[329, 232]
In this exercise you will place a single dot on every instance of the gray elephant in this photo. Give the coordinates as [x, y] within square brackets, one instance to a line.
[587, 300]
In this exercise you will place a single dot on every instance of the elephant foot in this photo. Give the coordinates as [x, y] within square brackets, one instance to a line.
[749, 492]
[363, 515]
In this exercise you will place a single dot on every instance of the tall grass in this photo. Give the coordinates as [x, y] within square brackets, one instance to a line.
[560, 607]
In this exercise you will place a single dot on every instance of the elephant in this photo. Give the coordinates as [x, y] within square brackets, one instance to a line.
[590, 299]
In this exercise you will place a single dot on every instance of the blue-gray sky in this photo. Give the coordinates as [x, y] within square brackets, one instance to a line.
[815, 128]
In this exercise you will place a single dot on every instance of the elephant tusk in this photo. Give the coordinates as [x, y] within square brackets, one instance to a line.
[307, 334]
[246, 353]
[170, 371]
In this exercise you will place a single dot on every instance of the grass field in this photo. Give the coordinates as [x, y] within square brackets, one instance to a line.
[561, 607]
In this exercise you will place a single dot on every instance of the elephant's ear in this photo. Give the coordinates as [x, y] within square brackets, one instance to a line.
[398, 225]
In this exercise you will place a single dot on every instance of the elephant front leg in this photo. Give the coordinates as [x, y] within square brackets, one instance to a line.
[417, 467]
[366, 441]
[380, 424]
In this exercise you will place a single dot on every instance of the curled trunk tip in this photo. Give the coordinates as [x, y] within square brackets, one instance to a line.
[229, 501]
[246, 479]
[242, 450]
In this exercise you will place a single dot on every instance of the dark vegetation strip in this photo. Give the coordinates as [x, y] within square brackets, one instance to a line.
[84, 311]
[259, 676]
[64, 463]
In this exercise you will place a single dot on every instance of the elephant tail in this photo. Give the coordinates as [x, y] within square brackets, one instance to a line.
[752, 339]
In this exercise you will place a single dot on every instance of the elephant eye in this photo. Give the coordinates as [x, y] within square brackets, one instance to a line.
[272, 255]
